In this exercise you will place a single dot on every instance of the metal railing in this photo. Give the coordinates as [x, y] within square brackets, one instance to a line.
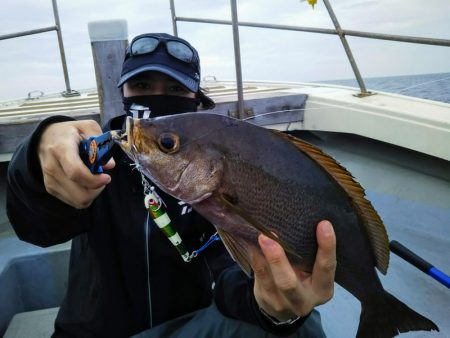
[57, 28]
[342, 33]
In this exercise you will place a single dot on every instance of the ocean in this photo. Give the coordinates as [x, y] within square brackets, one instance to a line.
[426, 86]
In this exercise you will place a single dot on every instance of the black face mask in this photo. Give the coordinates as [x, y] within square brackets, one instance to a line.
[158, 105]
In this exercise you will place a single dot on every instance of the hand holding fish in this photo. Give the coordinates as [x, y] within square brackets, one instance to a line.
[65, 175]
[284, 291]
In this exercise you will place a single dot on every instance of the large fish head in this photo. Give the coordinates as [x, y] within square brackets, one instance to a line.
[170, 152]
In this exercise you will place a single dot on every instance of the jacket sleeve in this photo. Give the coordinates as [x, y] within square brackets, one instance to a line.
[36, 216]
[234, 297]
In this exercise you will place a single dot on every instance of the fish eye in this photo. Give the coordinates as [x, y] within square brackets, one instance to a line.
[169, 143]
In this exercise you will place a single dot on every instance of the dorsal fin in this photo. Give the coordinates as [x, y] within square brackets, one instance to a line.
[372, 222]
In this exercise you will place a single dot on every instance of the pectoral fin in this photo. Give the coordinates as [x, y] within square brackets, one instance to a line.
[236, 250]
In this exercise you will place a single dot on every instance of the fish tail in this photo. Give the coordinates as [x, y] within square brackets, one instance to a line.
[386, 316]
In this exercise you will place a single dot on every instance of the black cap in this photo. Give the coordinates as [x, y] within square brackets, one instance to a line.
[187, 73]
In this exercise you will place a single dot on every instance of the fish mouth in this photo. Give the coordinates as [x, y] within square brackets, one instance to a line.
[124, 138]
[120, 137]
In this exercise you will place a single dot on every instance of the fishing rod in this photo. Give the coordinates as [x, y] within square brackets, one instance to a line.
[417, 261]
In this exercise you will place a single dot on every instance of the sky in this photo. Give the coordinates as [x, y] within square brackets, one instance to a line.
[32, 63]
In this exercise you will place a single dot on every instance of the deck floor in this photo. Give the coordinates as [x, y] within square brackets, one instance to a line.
[415, 208]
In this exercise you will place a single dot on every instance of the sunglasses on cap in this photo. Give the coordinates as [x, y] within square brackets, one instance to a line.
[148, 44]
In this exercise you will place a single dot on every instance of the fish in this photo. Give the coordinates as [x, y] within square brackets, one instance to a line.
[247, 180]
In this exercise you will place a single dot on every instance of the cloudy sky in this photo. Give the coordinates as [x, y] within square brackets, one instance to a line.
[33, 62]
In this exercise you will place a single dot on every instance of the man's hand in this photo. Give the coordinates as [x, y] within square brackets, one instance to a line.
[283, 291]
[65, 175]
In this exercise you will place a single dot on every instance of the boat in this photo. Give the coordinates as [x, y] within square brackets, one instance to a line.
[396, 146]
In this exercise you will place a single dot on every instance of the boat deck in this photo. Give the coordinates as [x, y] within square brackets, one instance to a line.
[410, 190]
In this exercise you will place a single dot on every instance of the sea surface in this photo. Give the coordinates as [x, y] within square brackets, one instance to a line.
[426, 86]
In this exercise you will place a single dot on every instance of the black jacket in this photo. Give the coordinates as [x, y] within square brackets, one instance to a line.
[125, 275]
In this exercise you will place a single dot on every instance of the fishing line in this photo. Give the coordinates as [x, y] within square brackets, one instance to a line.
[194, 140]
[344, 106]
[300, 109]
[421, 84]
[304, 110]
[340, 107]
[331, 106]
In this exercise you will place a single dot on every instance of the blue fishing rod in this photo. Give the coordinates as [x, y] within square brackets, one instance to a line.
[417, 261]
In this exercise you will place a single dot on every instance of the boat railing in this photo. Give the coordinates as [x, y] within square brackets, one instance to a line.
[338, 30]
[57, 27]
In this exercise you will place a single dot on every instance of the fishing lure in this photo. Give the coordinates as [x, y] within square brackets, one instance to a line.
[155, 207]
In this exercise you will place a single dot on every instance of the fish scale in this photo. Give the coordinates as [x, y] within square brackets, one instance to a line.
[267, 201]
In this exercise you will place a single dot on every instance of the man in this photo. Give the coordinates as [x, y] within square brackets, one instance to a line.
[125, 276]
